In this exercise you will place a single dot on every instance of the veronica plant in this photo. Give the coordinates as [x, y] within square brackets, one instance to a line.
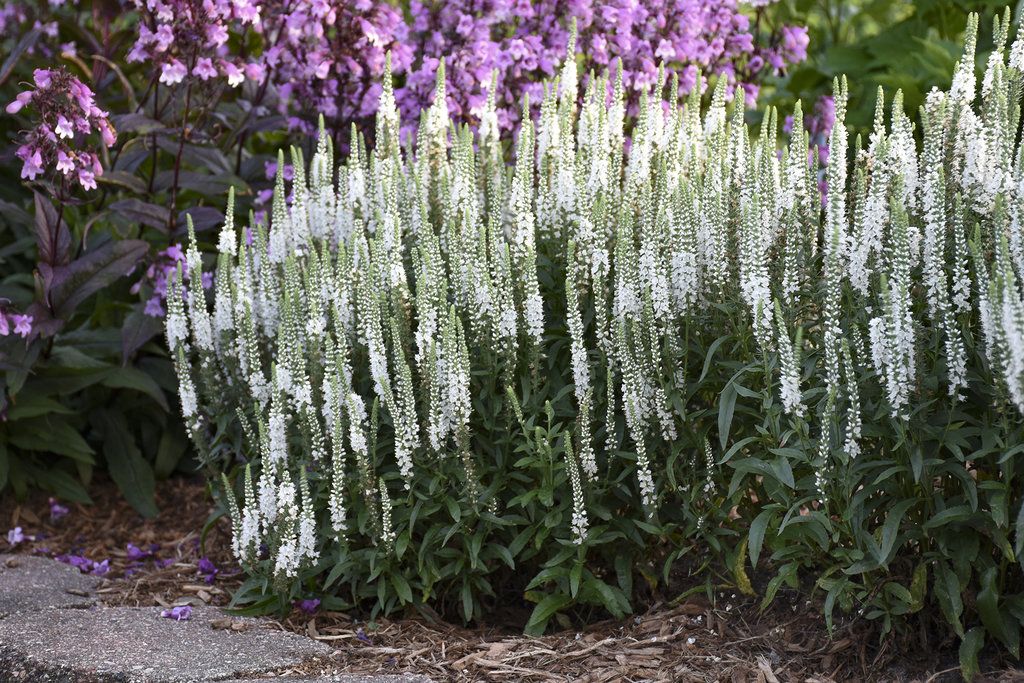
[457, 382]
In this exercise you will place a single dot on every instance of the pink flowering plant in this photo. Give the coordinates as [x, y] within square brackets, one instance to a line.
[65, 113]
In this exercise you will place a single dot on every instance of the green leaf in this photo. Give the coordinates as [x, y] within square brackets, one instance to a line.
[919, 587]
[756, 535]
[996, 622]
[467, 600]
[29, 405]
[543, 612]
[129, 470]
[947, 591]
[403, 589]
[613, 599]
[970, 646]
[710, 356]
[168, 453]
[957, 513]
[575, 574]
[133, 378]
[726, 408]
[891, 528]
[453, 509]
[52, 435]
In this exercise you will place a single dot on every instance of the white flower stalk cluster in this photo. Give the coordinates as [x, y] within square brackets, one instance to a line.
[358, 330]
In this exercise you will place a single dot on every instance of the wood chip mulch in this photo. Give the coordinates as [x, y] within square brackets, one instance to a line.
[729, 640]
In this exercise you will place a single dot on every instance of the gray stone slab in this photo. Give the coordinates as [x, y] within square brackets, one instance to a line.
[340, 678]
[29, 583]
[136, 645]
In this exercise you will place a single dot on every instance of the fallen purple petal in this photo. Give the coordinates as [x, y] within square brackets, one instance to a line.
[57, 511]
[207, 569]
[179, 613]
[136, 554]
[309, 606]
[15, 536]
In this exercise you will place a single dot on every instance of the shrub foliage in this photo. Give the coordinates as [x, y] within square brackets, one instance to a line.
[456, 382]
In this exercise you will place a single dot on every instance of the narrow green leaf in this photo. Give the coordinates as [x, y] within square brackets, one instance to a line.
[129, 470]
[970, 646]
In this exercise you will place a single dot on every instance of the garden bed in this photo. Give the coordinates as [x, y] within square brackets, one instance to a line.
[693, 640]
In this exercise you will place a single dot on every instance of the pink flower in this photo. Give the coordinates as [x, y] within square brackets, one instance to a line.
[163, 37]
[5, 326]
[794, 43]
[204, 69]
[65, 164]
[20, 101]
[64, 128]
[22, 325]
[87, 179]
[173, 72]
[107, 132]
[217, 34]
[255, 71]
[33, 162]
[154, 307]
[234, 74]
[42, 78]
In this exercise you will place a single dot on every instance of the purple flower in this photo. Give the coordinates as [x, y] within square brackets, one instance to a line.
[100, 568]
[207, 569]
[15, 536]
[136, 554]
[19, 102]
[83, 563]
[63, 106]
[57, 511]
[361, 636]
[173, 72]
[204, 69]
[794, 43]
[154, 307]
[22, 325]
[309, 606]
[179, 613]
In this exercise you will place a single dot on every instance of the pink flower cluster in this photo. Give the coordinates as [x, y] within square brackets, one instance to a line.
[65, 111]
[189, 37]
[525, 41]
[159, 274]
[324, 56]
[328, 56]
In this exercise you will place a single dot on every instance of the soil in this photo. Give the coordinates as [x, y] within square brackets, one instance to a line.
[728, 639]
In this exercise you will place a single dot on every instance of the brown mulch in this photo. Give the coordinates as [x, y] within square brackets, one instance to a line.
[728, 640]
[167, 573]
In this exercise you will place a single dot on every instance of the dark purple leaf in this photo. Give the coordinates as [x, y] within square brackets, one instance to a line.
[137, 123]
[53, 240]
[138, 329]
[70, 285]
[203, 217]
[123, 179]
[138, 211]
